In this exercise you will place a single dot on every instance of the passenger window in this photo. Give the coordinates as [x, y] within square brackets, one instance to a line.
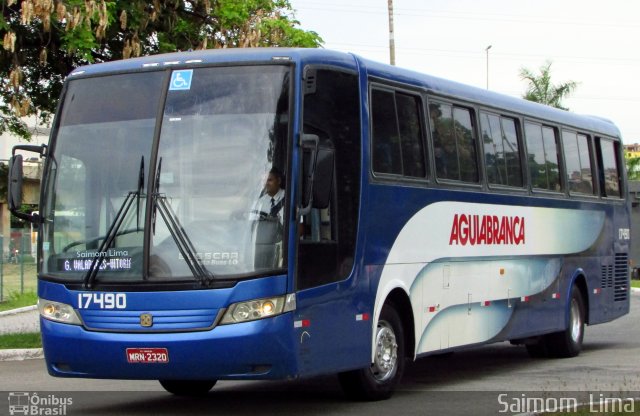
[543, 160]
[578, 159]
[454, 142]
[501, 150]
[609, 168]
[397, 134]
[387, 156]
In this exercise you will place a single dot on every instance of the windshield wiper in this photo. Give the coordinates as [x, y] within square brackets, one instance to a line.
[112, 233]
[182, 240]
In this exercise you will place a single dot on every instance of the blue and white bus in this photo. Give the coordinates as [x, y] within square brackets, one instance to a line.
[417, 216]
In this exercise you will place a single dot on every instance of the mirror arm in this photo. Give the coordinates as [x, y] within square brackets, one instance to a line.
[41, 150]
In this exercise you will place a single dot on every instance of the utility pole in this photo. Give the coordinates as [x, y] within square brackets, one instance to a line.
[487, 50]
[392, 43]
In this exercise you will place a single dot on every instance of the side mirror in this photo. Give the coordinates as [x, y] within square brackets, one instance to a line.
[14, 190]
[14, 197]
[323, 181]
[309, 146]
[317, 171]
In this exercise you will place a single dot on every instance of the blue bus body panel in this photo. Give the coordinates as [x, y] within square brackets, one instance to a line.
[226, 351]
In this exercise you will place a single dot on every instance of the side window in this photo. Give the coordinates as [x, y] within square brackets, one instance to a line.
[501, 150]
[543, 160]
[552, 157]
[454, 142]
[609, 168]
[578, 159]
[387, 156]
[397, 134]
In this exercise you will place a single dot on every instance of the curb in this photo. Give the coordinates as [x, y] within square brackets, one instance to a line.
[21, 354]
[18, 310]
[635, 289]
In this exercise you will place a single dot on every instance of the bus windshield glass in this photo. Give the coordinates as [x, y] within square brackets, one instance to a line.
[182, 177]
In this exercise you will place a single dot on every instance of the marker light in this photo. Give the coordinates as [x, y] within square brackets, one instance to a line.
[258, 309]
[58, 312]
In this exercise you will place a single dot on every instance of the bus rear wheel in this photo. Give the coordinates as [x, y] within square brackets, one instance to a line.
[568, 343]
[188, 387]
[378, 381]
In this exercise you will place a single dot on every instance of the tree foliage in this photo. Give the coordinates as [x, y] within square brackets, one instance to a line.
[632, 164]
[542, 90]
[44, 40]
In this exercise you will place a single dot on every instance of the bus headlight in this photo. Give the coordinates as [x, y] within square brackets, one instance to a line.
[258, 309]
[58, 312]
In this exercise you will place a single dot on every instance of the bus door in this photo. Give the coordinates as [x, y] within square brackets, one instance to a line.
[332, 320]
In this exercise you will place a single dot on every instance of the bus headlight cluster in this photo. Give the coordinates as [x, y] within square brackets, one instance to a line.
[59, 312]
[258, 309]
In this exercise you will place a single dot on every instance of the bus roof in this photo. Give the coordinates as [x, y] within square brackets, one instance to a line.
[435, 85]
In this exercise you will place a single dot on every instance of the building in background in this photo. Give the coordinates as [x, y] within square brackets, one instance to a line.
[32, 175]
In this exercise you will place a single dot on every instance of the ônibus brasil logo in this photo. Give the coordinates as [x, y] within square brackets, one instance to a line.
[32, 404]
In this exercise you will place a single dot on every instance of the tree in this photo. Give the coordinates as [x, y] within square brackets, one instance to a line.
[44, 40]
[633, 166]
[541, 90]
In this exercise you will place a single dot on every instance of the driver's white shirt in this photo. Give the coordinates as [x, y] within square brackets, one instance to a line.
[264, 204]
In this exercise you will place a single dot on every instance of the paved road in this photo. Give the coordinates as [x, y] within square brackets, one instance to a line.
[464, 383]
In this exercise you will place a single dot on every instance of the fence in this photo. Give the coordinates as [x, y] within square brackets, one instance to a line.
[17, 263]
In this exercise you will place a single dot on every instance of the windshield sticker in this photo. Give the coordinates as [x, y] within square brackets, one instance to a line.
[114, 264]
[181, 80]
[110, 260]
[217, 258]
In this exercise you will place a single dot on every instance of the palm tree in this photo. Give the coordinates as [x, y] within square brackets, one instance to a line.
[541, 90]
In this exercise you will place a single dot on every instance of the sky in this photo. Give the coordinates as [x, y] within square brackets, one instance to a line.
[595, 43]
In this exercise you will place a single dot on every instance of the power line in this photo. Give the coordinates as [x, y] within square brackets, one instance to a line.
[473, 54]
[460, 15]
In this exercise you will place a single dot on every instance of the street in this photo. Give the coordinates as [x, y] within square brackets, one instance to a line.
[468, 382]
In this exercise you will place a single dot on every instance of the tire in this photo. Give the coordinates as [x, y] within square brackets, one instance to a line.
[188, 387]
[568, 343]
[378, 381]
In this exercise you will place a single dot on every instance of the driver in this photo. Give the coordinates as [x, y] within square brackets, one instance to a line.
[271, 203]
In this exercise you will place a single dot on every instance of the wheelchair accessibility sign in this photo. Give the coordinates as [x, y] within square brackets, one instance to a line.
[181, 80]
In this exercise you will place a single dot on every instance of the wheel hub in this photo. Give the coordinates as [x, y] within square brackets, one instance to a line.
[576, 324]
[386, 353]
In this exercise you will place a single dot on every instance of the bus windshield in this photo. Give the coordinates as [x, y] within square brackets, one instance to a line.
[180, 178]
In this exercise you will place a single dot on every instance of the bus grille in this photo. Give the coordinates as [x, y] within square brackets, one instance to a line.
[162, 321]
[621, 277]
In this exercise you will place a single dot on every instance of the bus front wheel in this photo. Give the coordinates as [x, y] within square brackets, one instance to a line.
[378, 381]
[188, 387]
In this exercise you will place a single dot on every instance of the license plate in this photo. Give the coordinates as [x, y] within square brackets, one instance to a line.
[147, 355]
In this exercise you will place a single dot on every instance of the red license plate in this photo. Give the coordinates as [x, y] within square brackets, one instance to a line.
[147, 355]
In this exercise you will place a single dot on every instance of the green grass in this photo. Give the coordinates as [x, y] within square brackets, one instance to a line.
[17, 300]
[28, 340]
[635, 283]
[16, 278]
